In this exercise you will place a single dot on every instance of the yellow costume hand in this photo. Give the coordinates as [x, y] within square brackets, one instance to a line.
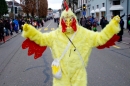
[116, 19]
[25, 27]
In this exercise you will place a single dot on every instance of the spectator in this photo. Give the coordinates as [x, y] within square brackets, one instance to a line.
[8, 28]
[94, 26]
[128, 23]
[105, 22]
[2, 31]
[102, 22]
[83, 21]
[41, 21]
[20, 25]
[88, 25]
[122, 27]
[16, 29]
[35, 23]
[121, 31]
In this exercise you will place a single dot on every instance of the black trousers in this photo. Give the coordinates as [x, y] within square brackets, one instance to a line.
[120, 39]
[2, 36]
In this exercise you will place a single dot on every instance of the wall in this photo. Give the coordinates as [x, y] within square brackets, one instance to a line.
[94, 3]
[108, 4]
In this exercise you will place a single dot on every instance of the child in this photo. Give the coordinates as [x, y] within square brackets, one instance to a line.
[94, 26]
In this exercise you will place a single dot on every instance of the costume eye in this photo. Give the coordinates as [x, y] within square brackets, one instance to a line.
[70, 19]
[64, 19]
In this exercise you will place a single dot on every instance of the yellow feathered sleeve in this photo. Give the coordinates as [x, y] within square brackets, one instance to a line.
[100, 38]
[36, 36]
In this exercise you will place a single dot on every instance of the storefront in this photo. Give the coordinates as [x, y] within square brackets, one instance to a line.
[97, 14]
[78, 13]
[116, 9]
[103, 11]
[92, 12]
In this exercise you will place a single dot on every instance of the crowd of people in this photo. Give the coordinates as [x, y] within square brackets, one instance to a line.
[8, 26]
[91, 23]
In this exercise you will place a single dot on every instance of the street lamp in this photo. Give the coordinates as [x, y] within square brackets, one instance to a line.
[37, 2]
[69, 1]
[13, 9]
[73, 5]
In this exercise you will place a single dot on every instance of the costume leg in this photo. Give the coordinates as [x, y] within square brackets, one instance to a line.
[64, 81]
[79, 78]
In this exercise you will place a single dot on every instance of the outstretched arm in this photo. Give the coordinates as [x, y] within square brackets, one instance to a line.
[36, 36]
[100, 38]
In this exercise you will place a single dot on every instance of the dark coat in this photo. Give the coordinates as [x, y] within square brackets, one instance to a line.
[88, 25]
[122, 27]
[103, 23]
[1, 27]
[7, 25]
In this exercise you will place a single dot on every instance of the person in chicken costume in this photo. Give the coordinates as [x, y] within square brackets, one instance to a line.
[76, 57]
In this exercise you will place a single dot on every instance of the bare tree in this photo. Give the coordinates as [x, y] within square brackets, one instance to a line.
[43, 8]
[29, 7]
[34, 7]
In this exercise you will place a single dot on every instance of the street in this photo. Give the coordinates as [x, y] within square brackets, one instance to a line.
[107, 67]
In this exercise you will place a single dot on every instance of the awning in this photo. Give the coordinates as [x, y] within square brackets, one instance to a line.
[116, 7]
[103, 9]
[92, 11]
[97, 10]
[77, 10]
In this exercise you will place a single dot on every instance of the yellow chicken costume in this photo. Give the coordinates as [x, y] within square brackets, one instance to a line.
[73, 72]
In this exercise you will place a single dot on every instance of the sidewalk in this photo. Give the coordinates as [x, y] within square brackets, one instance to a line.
[7, 38]
[125, 38]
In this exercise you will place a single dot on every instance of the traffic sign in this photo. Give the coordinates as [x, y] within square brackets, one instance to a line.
[84, 13]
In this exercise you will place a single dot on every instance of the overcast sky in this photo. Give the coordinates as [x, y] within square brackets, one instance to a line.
[54, 4]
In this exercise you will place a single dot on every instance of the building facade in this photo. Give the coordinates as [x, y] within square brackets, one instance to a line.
[128, 6]
[76, 6]
[108, 8]
[17, 8]
[96, 8]
[79, 9]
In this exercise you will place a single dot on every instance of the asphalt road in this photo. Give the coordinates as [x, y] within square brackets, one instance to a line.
[107, 67]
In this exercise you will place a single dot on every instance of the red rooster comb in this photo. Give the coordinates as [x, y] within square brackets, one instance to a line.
[66, 5]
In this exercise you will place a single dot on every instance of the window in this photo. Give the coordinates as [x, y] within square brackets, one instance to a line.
[103, 4]
[89, 11]
[116, 2]
[116, 12]
[97, 6]
[86, 1]
[102, 13]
